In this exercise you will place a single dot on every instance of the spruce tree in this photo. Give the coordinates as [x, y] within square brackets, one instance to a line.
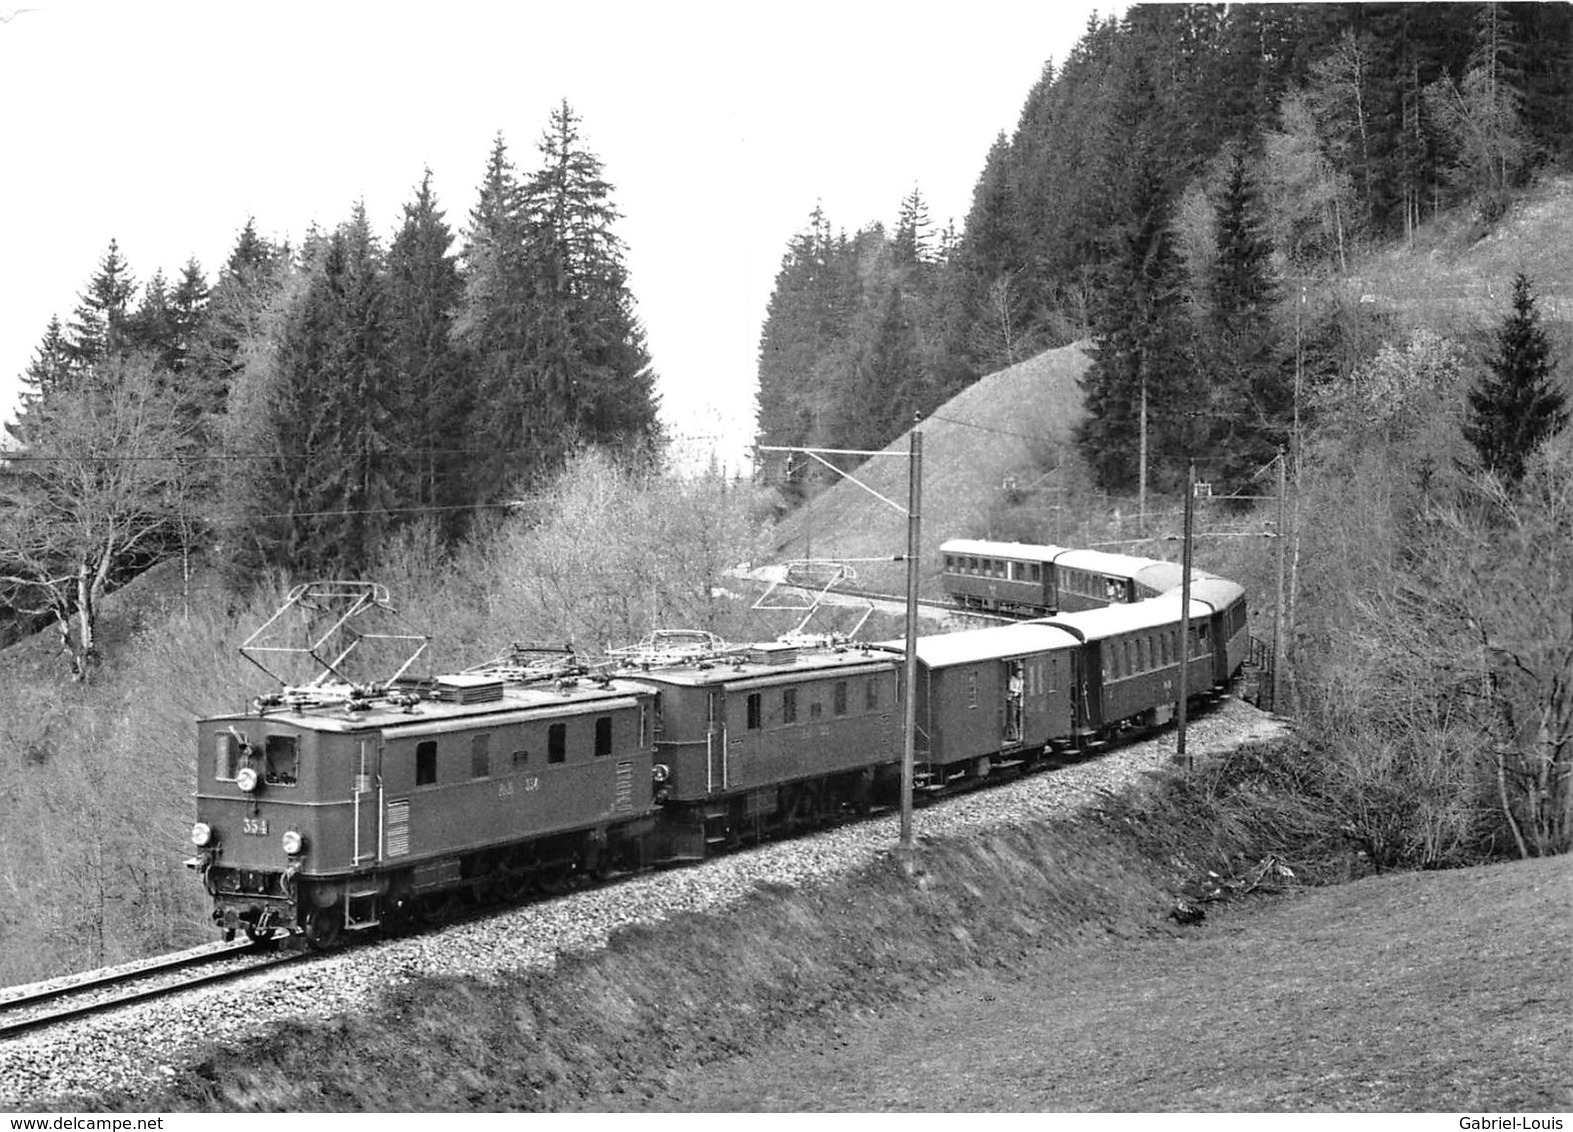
[432, 398]
[1250, 401]
[100, 325]
[1142, 375]
[495, 330]
[590, 355]
[50, 370]
[1515, 407]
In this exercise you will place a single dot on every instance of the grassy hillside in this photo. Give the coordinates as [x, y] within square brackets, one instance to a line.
[1030, 968]
[1008, 424]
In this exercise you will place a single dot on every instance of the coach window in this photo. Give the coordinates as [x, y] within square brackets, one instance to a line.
[972, 565]
[788, 705]
[480, 756]
[603, 735]
[283, 761]
[426, 763]
[755, 714]
[557, 743]
[840, 695]
[1037, 572]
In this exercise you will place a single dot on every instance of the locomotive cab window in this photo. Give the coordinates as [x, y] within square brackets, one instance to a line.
[426, 763]
[557, 743]
[283, 761]
[603, 735]
[480, 756]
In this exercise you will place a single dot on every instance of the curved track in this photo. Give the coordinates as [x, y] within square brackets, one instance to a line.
[102, 992]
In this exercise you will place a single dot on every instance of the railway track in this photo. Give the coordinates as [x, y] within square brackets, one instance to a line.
[111, 989]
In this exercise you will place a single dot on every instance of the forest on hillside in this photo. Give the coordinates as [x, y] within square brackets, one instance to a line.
[301, 410]
[1177, 192]
[1170, 184]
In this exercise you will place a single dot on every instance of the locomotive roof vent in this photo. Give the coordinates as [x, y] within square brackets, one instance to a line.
[468, 688]
[772, 653]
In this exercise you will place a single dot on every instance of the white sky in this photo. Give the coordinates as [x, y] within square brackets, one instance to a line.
[165, 125]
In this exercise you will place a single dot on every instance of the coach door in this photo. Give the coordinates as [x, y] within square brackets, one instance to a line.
[1015, 702]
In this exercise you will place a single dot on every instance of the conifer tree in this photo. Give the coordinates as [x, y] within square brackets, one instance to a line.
[1250, 400]
[807, 317]
[50, 370]
[236, 316]
[912, 231]
[1515, 406]
[324, 494]
[495, 329]
[100, 325]
[1143, 364]
[432, 398]
[591, 355]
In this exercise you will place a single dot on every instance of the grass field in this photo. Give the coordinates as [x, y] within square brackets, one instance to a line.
[1419, 992]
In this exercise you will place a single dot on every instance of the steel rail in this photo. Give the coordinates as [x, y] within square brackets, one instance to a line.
[10, 1028]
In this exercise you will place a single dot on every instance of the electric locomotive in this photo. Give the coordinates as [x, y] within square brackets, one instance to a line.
[333, 805]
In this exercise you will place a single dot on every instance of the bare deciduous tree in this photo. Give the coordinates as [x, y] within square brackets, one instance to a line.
[101, 487]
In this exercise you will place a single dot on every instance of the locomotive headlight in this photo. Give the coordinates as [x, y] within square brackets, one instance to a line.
[202, 835]
[293, 842]
[246, 778]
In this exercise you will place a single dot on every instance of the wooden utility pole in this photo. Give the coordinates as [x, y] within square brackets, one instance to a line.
[1141, 467]
[1278, 608]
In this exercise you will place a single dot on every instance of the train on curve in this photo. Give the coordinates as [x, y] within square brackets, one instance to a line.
[332, 807]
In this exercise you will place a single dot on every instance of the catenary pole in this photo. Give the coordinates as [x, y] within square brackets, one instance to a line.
[910, 674]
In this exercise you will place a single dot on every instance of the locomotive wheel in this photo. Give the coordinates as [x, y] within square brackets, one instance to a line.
[323, 926]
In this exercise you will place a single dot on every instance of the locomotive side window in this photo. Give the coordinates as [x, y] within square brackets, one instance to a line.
[840, 694]
[283, 761]
[755, 715]
[224, 757]
[789, 705]
[603, 735]
[426, 763]
[521, 758]
[871, 696]
[480, 756]
[557, 743]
